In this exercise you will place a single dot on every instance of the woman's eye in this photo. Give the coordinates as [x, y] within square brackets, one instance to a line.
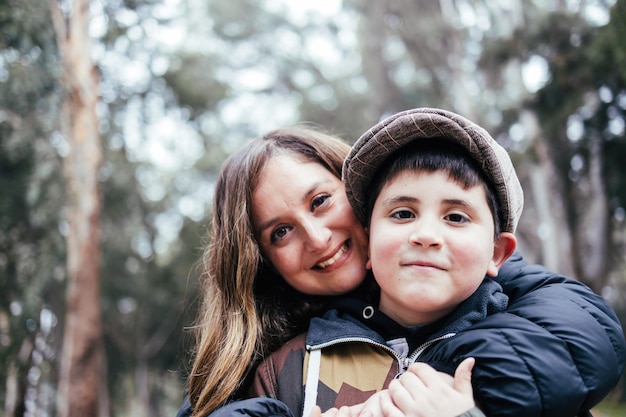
[402, 214]
[319, 200]
[279, 233]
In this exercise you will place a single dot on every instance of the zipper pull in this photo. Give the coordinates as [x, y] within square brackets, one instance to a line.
[405, 364]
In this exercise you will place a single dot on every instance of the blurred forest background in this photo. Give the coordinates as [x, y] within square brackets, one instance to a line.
[172, 87]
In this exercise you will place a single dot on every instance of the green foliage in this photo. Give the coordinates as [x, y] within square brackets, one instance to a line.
[592, 68]
[607, 52]
[30, 243]
[194, 82]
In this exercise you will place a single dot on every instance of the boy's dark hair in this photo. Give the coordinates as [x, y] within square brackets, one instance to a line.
[431, 155]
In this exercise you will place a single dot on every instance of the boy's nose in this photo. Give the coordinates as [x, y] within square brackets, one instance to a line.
[425, 235]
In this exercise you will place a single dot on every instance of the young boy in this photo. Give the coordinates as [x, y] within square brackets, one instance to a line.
[441, 201]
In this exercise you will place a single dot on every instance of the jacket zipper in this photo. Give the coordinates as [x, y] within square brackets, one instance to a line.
[403, 363]
[413, 357]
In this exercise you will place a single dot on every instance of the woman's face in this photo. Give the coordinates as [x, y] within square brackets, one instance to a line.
[306, 228]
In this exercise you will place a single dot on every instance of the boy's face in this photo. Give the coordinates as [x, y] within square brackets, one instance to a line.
[431, 244]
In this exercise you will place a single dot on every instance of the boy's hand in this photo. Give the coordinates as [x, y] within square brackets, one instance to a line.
[422, 391]
[419, 392]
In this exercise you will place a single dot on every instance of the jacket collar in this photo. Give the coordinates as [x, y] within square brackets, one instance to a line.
[354, 319]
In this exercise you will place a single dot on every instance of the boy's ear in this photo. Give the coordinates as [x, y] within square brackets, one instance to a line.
[502, 250]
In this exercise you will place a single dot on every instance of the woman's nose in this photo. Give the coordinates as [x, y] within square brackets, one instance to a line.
[317, 235]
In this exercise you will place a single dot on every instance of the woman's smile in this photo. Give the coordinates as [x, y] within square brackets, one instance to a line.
[332, 260]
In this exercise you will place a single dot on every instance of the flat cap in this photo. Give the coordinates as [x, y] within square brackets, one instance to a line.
[370, 151]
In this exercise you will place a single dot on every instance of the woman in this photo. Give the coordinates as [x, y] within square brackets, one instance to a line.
[248, 309]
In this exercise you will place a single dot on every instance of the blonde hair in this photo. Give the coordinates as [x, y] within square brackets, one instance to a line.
[247, 310]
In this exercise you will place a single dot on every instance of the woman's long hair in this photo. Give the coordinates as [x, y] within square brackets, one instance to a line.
[247, 310]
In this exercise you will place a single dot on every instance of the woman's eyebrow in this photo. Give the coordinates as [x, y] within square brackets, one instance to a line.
[307, 194]
[266, 225]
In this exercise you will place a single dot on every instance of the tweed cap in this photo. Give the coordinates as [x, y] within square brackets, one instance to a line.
[374, 146]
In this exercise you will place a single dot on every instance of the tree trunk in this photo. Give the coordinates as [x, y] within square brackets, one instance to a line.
[594, 234]
[552, 228]
[82, 349]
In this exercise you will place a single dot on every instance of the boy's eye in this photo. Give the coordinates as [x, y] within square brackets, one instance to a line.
[402, 214]
[456, 218]
[279, 233]
[319, 200]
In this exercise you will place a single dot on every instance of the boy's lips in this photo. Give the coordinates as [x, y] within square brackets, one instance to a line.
[330, 260]
[424, 264]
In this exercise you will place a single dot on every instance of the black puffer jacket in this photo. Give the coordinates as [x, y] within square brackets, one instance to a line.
[572, 335]
[562, 339]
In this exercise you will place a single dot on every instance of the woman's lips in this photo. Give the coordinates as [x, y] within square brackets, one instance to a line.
[330, 261]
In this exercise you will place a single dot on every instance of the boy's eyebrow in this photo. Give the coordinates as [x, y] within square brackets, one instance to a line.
[409, 199]
[457, 202]
[400, 199]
